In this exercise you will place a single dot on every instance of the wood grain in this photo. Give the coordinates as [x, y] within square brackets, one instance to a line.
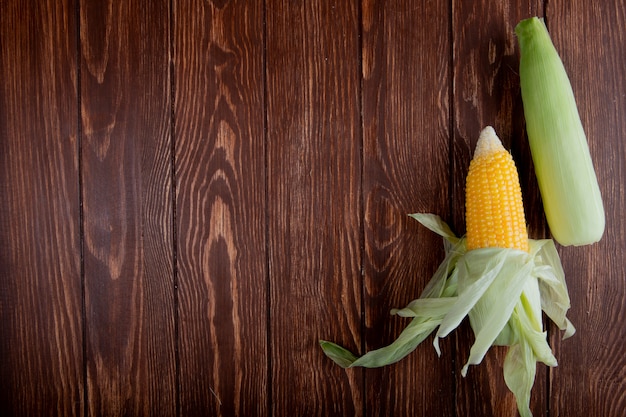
[126, 161]
[314, 204]
[486, 92]
[592, 366]
[406, 86]
[196, 192]
[220, 200]
[41, 370]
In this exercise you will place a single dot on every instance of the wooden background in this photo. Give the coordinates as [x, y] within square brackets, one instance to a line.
[195, 191]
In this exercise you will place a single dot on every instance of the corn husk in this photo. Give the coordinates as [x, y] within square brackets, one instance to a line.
[565, 173]
[502, 291]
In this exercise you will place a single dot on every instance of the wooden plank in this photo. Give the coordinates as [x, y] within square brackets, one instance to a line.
[486, 80]
[128, 252]
[314, 204]
[40, 284]
[487, 92]
[591, 377]
[406, 87]
[220, 198]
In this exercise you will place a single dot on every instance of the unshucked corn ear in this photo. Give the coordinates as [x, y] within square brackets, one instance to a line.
[563, 165]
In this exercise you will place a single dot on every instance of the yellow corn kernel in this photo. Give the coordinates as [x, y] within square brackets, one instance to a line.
[494, 213]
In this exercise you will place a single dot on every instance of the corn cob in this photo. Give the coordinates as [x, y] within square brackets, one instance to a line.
[494, 209]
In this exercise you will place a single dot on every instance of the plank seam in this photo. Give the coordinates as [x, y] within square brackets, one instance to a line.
[268, 281]
[451, 136]
[81, 214]
[360, 46]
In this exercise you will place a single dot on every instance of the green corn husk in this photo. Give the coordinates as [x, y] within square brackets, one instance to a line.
[502, 291]
[565, 173]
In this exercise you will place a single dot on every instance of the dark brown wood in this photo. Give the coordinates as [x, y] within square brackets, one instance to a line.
[128, 247]
[221, 210]
[314, 204]
[591, 377]
[406, 87]
[193, 197]
[486, 79]
[486, 92]
[41, 338]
